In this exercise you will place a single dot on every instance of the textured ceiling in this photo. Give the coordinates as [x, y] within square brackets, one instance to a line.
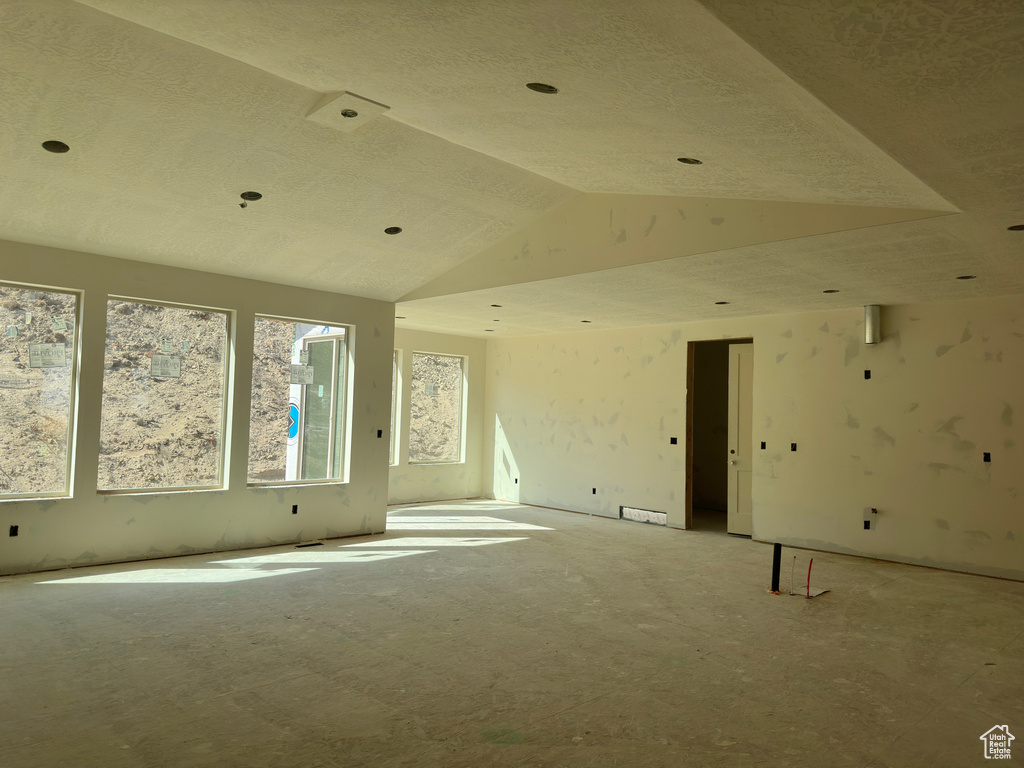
[906, 108]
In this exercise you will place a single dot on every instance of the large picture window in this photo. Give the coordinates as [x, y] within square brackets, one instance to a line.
[37, 380]
[164, 395]
[435, 420]
[299, 407]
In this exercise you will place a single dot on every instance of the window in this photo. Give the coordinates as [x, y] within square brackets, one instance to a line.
[162, 418]
[435, 421]
[37, 381]
[299, 413]
[396, 402]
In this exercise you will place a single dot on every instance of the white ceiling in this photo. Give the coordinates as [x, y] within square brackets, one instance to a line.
[872, 148]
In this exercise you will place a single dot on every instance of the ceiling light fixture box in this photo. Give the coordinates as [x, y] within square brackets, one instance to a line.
[345, 111]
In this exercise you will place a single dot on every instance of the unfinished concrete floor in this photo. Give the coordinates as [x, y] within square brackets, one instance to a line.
[596, 643]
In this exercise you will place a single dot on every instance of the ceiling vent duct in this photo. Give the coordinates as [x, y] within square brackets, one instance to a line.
[872, 324]
[345, 111]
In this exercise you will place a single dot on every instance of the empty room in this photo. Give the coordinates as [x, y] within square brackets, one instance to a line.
[520, 383]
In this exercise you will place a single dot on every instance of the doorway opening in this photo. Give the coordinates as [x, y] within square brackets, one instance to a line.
[717, 427]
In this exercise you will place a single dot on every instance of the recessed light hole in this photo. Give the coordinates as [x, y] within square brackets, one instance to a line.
[251, 196]
[58, 147]
[392, 230]
[831, 290]
[349, 113]
[1016, 228]
[586, 321]
[721, 302]
[966, 277]
[690, 160]
[496, 305]
[542, 88]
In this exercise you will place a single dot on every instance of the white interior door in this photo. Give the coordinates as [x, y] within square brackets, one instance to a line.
[741, 402]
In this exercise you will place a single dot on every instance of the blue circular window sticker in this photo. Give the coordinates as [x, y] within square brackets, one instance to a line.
[293, 421]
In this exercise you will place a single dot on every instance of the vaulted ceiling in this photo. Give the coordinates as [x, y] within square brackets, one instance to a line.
[874, 149]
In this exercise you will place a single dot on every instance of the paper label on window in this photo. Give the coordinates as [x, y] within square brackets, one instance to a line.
[304, 357]
[302, 374]
[321, 392]
[167, 346]
[59, 323]
[431, 388]
[166, 366]
[46, 356]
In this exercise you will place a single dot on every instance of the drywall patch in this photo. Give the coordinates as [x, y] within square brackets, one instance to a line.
[1007, 417]
[911, 408]
[1010, 536]
[882, 437]
[851, 422]
[967, 336]
[944, 525]
[940, 351]
[622, 237]
[654, 220]
[978, 535]
[824, 328]
[780, 358]
[852, 349]
[718, 221]
[787, 334]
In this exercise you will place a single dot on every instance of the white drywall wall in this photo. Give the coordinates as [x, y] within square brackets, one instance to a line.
[575, 412]
[96, 528]
[431, 482]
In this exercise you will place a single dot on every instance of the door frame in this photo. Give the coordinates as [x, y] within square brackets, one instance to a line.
[691, 350]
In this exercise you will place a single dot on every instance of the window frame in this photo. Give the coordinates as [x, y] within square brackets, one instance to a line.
[396, 409]
[227, 390]
[73, 396]
[343, 406]
[463, 397]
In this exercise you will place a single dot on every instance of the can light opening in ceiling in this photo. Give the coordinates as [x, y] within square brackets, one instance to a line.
[497, 306]
[251, 196]
[586, 321]
[721, 302]
[831, 290]
[488, 330]
[57, 147]
[399, 317]
[349, 113]
[966, 277]
[542, 88]
[1016, 228]
[392, 230]
[690, 160]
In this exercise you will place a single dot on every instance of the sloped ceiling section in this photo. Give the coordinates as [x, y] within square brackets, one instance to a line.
[596, 232]
[834, 137]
